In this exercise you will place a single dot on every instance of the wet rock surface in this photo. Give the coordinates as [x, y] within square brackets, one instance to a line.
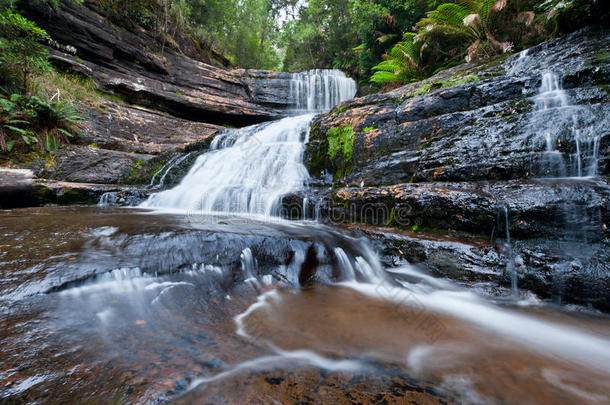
[479, 130]
[173, 98]
[108, 304]
[443, 157]
[125, 128]
[558, 271]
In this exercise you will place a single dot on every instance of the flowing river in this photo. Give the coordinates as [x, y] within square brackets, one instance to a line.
[196, 296]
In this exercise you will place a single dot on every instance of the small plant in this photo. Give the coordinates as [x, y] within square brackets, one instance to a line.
[33, 120]
[470, 19]
[21, 51]
[12, 126]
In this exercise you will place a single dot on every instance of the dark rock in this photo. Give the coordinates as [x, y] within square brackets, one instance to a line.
[552, 208]
[20, 189]
[87, 164]
[560, 271]
[473, 131]
[467, 159]
[126, 128]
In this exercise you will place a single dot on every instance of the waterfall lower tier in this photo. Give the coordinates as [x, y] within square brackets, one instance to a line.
[247, 171]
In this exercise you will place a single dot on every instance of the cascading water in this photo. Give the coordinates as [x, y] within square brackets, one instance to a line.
[321, 90]
[559, 123]
[248, 170]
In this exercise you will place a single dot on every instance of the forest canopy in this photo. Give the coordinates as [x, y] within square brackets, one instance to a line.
[374, 41]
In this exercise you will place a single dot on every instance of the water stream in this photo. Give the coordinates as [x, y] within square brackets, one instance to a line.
[150, 305]
[572, 144]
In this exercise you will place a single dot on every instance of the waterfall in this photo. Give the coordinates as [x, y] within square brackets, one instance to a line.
[248, 170]
[510, 265]
[559, 122]
[520, 63]
[174, 161]
[320, 90]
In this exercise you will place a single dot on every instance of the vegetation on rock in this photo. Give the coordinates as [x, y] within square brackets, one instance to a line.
[25, 118]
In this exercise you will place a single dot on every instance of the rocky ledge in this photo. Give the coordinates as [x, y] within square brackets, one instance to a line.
[466, 153]
[132, 63]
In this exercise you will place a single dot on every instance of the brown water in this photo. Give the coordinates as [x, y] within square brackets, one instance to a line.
[123, 306]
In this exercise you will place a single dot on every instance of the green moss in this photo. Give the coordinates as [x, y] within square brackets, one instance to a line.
[72, 196]
[341, 139]
[454, 81]
[134, 170]
[422, 90]
[338, 111]
[46, 195]
[602, 56]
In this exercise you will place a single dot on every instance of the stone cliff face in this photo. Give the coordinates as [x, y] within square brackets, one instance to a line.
[136, 66]
[170, 101]
[477, 150]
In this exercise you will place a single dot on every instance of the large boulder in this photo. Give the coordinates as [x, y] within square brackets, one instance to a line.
[474, 152]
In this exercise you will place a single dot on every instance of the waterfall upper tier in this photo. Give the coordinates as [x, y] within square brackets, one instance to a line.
[561, 123]
[320, 90]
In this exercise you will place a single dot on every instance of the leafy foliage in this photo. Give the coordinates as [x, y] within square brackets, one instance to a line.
[321, 37]
[403, 63]
[21, 51]
[32, 121]
[569, 15]
[247, 32]
[472, 19]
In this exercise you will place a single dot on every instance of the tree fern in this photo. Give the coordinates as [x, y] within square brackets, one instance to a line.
[402, 64]
[456, 16]
[470, 18]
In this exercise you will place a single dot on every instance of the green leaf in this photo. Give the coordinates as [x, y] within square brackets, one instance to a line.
[50, 143]
[15, 122]
[6, 105]
[15, 129]
[10, 145]
[66, 133]
[26, 139]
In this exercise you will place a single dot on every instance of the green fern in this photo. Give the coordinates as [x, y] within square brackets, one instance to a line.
[402, 64]
[453, 17]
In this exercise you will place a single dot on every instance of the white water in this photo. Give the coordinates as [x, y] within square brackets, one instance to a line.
[519, 63]
[248, 170]
[557, 120]
[321, 90]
